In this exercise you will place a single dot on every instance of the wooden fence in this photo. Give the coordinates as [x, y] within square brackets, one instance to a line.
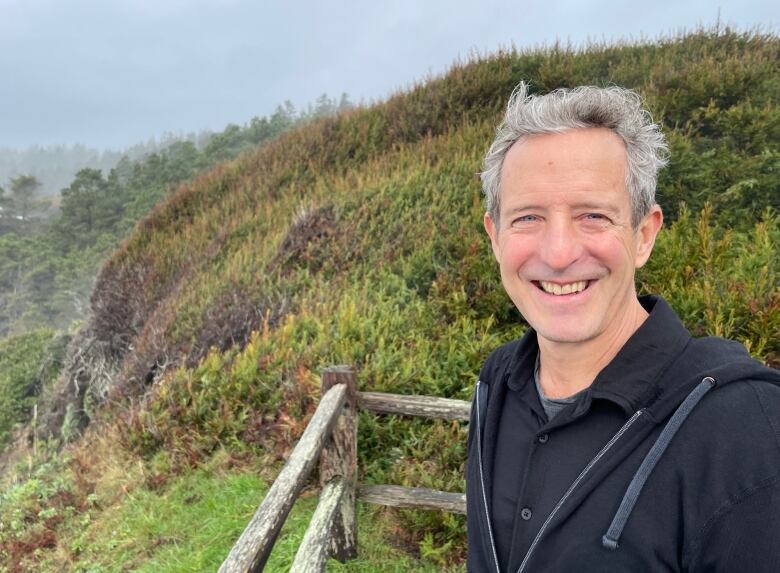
[331, 438]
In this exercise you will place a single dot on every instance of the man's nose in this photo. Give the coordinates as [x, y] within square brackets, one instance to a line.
[561, 246]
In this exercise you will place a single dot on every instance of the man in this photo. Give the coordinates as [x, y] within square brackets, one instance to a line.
[607, 438]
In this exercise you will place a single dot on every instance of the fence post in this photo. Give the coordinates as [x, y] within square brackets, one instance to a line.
[339, 458]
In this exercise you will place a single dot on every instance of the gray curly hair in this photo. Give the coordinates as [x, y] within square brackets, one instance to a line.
[614, 108]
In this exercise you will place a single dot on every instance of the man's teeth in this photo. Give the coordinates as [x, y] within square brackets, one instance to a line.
[569, 288]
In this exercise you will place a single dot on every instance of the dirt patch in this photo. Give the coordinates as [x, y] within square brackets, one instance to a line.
[306, 240]
[230, 319]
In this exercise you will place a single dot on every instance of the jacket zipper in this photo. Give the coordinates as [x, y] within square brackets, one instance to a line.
[482, 482]
[572, 487]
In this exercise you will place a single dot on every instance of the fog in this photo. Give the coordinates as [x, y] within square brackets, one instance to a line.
[112, 74]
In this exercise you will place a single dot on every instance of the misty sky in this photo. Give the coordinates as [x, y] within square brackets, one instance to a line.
[112, 73]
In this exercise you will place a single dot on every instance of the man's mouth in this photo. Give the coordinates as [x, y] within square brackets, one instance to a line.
[562, 289]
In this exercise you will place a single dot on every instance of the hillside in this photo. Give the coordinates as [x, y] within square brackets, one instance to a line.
[357, 240]
[49, 256]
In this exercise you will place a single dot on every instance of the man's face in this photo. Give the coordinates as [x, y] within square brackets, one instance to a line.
[564, 239]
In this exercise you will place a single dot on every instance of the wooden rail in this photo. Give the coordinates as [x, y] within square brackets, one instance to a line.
[314, 550]
[425, 406]
[331, 436]
[413, 498]
[251, 551]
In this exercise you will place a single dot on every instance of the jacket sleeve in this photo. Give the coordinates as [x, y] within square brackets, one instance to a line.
[745, 536]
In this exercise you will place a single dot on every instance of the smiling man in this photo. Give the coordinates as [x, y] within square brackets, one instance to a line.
[607, 438]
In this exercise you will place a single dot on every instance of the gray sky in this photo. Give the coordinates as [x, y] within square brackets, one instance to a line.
[110, 73]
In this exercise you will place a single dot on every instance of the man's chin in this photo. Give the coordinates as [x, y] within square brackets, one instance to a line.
[558, 335]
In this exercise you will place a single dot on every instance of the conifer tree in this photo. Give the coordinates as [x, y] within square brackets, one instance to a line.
[23, 190]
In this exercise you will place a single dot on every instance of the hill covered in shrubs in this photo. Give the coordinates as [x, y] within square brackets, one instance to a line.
[357, 239]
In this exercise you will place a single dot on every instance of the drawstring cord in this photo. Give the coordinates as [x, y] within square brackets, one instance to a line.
[612, 537]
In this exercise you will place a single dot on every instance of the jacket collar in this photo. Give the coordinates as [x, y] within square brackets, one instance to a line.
[635, 377]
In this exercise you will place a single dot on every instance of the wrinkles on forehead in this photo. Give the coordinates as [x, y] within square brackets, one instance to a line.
[587, 165]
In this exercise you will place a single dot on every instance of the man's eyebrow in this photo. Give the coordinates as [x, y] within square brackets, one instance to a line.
[596, 206]
[519, 208]
[582, 205]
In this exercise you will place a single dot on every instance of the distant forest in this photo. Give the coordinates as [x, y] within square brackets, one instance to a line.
[55, 166]
[51, 246]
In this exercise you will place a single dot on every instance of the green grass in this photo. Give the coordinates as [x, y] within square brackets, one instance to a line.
[189, 524]
[187, 527]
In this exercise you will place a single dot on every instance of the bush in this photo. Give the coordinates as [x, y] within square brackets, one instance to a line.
[29, 364]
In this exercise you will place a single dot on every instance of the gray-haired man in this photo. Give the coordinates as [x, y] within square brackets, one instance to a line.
[607, 438]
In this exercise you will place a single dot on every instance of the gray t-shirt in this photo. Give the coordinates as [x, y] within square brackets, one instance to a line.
[552, 406]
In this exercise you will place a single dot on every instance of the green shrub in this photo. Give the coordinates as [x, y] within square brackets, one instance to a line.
[29, 364]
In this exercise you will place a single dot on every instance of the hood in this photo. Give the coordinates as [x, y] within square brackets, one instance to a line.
[704, 365]
[725, 361]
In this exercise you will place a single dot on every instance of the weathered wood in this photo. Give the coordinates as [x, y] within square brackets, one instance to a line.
[413, 497]
[315, 548]
[339, 458]
[251, 551]
[425, 406]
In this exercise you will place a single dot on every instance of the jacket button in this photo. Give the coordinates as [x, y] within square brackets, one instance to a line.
[526, 513]
[543, 438]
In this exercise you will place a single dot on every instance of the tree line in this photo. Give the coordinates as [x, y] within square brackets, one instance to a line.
[47, 263]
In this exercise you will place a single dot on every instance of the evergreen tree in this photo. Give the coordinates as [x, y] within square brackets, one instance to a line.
[23, 189]
[90, 206]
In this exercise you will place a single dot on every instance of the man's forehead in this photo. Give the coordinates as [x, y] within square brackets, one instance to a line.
[591, 201]
[581, 168]
[546, 148]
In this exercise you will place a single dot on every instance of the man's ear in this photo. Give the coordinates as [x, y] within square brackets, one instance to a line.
[646, 234]
[492, 232]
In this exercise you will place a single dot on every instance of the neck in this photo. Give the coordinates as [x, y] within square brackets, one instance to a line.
[565, 368]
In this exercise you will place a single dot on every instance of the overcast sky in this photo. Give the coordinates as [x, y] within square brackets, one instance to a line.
[110, 73]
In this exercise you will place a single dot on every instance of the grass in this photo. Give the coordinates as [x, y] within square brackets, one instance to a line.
[189, 523]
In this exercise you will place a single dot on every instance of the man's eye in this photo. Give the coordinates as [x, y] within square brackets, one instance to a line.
[596, 217]
[524, 219]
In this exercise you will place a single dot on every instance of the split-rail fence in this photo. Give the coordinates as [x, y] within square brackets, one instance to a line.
[331, 438]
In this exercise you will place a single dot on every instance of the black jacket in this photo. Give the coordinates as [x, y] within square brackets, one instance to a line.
[685, 478]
